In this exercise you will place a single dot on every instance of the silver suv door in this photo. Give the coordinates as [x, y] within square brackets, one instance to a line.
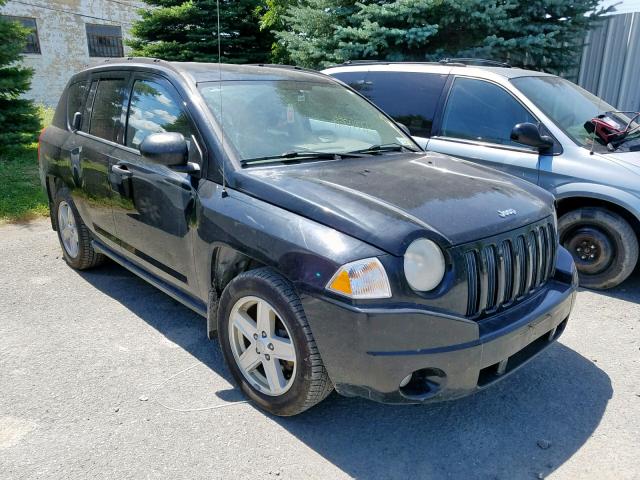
[476, 125]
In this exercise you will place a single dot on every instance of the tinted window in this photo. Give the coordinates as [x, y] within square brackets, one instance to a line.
[410, 98]
[354, 79]
[478, 110]
[75, 96]
[107, 108]
[154, 109]
[88, 106]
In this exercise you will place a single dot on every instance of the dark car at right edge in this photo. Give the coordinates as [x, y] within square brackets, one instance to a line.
[324, 247]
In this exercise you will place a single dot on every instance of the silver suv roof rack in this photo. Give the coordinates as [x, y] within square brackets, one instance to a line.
[481, 62]
[463, 62]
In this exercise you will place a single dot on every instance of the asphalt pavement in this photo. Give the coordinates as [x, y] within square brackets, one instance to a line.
[103, 376]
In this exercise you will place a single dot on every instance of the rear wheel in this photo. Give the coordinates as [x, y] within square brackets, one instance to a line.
[602, 243]
[268, 345]
[74, 236]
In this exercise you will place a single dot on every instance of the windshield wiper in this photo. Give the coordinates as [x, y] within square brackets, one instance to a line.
[294, 157]
[386, 147]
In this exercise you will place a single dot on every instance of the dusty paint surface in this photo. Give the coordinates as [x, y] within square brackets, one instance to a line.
[63, 38]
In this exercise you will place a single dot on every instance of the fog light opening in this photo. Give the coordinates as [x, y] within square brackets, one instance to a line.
[405, 380]
[422, 383]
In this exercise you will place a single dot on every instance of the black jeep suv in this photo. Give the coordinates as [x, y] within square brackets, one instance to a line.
[320, 243]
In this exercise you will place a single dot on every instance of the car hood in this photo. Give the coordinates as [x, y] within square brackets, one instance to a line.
[631, 160]
[388, 200]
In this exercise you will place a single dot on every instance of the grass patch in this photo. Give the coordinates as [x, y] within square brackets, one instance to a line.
[21, 196]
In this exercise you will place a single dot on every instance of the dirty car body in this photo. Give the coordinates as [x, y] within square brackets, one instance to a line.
[196, 231]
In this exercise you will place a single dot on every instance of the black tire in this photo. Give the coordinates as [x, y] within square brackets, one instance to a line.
[616, 246]
[86, 257]
[311, 382]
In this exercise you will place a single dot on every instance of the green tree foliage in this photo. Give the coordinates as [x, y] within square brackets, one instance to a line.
[188, 31]
[271, 14]
[538, 34]
[19, 121]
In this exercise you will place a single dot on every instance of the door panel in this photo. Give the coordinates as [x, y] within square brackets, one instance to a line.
[154, 205]
[153, 211]
[524, 165]
[89, 160]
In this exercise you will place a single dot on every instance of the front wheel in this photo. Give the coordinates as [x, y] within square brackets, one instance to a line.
[602, 243]
[268, 345]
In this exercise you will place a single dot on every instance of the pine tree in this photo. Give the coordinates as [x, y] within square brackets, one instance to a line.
[19, 121]
[309, 30]
[538, 34]
[188, 31]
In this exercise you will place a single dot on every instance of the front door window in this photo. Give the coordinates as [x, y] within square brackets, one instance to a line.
[482, 111]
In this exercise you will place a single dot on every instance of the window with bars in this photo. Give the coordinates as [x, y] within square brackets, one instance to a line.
[33, 43]
[104, 40]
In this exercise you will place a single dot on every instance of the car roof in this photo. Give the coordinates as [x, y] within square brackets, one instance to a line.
[197, 72]
[426, 67]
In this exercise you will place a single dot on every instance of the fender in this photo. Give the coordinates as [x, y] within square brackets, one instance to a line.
[623, 199]
[236, 231]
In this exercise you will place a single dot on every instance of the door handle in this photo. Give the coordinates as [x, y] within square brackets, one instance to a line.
[122, 171]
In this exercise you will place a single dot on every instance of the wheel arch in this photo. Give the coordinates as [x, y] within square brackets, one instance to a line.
[227, 263]
[569, 203]
[52, 185]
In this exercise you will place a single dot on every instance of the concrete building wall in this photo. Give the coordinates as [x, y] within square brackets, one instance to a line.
[63, 40]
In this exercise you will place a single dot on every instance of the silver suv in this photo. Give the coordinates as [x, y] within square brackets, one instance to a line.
[532, 125]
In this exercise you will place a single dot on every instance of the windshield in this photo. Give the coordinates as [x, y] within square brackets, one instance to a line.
[263, 119]
[566, 104]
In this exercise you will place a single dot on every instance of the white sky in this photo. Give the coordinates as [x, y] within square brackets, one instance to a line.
[625, 6]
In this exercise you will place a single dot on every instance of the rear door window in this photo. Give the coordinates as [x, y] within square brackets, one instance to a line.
[482, 111]
[107, 108]
[410, 98]
[75, 97]
[355, 80]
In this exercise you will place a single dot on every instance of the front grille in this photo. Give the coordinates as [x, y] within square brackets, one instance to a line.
[506, 269]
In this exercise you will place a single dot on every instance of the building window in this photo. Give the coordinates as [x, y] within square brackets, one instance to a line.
[33, 44]
[104, 40]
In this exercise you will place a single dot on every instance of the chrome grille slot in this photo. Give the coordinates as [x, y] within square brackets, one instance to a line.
[501, 271]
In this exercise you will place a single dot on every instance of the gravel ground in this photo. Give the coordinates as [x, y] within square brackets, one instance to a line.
[102, 376]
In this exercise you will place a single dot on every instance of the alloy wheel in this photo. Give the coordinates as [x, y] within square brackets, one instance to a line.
[68, 229]
[262, 346]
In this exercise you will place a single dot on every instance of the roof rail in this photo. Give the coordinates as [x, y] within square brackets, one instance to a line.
[149, 60]
[382, 62]
[481, 62]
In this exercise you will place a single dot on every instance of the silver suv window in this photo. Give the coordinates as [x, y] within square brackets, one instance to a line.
[566, 104]
[410, 98]
[482, 111]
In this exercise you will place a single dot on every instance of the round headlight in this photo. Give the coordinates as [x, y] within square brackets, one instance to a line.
[423, 265]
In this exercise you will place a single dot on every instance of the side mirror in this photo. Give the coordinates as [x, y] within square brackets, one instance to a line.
[76, 123]
[166, 148]
[404, 128]
[529, 134]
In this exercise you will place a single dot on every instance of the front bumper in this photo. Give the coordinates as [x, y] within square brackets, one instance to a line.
[369, 352]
